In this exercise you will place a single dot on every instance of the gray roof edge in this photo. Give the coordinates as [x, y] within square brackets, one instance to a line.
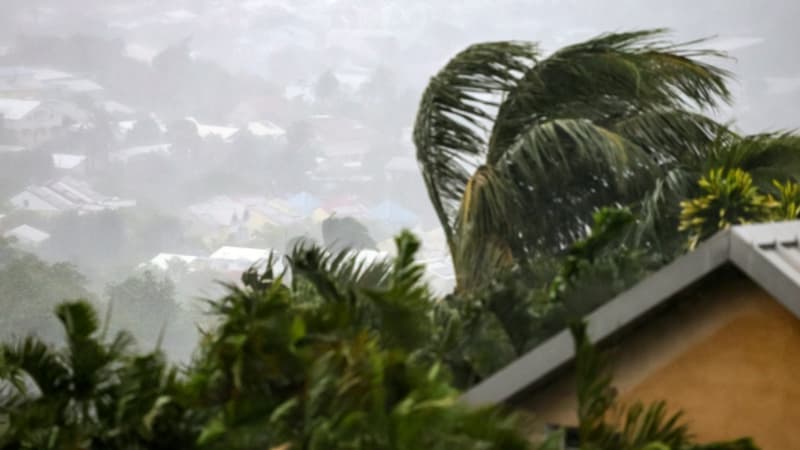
[603, 322]
[767, 268]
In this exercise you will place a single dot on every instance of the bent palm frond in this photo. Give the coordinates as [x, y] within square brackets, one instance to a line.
[453, 112]
[599, 123]
[607, 79]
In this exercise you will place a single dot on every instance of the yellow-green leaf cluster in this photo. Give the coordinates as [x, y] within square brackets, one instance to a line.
[730, 198]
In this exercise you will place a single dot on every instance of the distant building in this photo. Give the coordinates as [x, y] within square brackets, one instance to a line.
[116, 109]
[126, 154]
[26, 82]
[257, 133]
[32, 122]
[27, 236]
[267, 129]
[222, 132]
[162, 261]
[239, 259]
[68, 162]
[66, 194]
[12, 148]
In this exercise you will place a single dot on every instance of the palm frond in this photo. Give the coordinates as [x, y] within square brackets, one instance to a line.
[79, 319]
[30, 357]
[331, 271]
[608, 78]
[454, 110]
[767, 157]
[562, 170]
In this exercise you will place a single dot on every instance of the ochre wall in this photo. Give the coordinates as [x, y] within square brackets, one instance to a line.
[728, 355]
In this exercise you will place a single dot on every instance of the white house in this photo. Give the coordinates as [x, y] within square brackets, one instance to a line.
[162, 261]
[222, 132]
[126, 154]
[12, 148]
[68, 162]
[27, 235]
[239, 259]
[66, 194]
[32, 122]
[265, 129]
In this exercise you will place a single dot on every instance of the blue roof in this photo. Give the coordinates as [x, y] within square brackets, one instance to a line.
[303, 202]
[391, 212]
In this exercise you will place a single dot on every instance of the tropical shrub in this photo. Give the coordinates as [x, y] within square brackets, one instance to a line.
[730, 198]
[343, 356]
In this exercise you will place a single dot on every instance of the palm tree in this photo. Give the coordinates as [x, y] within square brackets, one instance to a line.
[90, 394]
[517, 151]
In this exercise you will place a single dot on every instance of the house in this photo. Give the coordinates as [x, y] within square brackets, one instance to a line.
[20, 123]
[12, 148]
[32, 122]
[222, 132]
[19, 81]
[303, 202]
[217, 212]
[77, 86]
[346, 205]
[116, 109]
[27, 236]
[66, 194]
[163, 261]
[716, 333]
[341, 137]
[68, 162]
[266, 129]
[126, 154]
[239, 259]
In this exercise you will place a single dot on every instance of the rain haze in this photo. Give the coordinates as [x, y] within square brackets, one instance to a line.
[161, 146]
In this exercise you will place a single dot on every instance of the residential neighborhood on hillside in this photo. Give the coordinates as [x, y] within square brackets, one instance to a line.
[399, 225]
[84, 151]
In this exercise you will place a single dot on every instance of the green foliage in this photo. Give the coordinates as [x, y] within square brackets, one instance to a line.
[145, 305]
[29, 290]
[333, 360]
[788, 200]
[346, 233]
[609, 223]
[517, 151]
[485, 329]
[730, 198]
[90, 394]
[342, 357]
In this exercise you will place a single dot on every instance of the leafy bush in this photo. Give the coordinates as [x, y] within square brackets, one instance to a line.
[730, 198]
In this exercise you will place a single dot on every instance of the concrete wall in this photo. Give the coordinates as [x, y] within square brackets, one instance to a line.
[727, 354]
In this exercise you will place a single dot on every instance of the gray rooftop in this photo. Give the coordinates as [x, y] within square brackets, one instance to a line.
[767, 253]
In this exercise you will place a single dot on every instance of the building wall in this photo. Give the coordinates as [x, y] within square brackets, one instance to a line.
[36, 127]
[726, 354]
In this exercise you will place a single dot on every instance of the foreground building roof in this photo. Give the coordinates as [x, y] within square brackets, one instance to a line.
[767, 253]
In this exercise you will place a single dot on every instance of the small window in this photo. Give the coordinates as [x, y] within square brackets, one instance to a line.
[572, 438]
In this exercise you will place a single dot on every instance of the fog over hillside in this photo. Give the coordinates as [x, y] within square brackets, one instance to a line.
[158, 146]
